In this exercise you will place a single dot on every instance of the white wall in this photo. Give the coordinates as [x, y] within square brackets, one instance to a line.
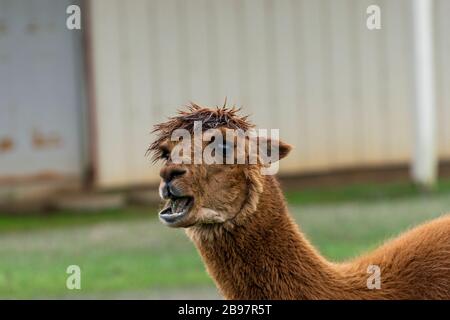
[341, 94]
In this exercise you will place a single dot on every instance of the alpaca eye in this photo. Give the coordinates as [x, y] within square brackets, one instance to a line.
[165, 154]
[226, 147]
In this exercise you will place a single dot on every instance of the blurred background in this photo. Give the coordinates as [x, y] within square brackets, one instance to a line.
[367, 110]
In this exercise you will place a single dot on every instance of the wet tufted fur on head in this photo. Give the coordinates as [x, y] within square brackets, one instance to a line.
[210, 118]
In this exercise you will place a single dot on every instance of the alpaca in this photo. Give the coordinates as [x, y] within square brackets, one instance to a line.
[252, 248]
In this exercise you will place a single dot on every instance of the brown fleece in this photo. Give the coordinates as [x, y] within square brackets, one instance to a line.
[253, 249]
[267, 257]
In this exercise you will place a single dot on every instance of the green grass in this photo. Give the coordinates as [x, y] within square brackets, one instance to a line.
[60, 219]
[114, 256]
[363, 192]
[38, 275]
[130, 252]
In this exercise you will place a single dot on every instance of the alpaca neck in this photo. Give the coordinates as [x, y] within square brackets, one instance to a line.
[266, 256]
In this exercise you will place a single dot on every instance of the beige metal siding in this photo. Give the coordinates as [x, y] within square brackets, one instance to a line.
[41, 104]
[442, 27]
[340, 93]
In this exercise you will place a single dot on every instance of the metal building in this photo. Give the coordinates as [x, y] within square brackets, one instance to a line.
[80, 104]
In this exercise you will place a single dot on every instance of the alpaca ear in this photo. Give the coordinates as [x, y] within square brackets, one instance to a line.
[284, 149]
[273, 150]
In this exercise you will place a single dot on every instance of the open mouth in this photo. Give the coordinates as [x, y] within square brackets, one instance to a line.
[176, 209]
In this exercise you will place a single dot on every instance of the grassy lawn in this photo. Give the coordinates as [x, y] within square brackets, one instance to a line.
[60, 219]
[129, 254]
[363, 193]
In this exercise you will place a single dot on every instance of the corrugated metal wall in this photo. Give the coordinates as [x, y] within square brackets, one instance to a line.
[340, 93]
[41, 102]
[442, 28]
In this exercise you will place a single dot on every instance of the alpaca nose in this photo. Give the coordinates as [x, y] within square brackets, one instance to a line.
[167, 188]
[170, 173]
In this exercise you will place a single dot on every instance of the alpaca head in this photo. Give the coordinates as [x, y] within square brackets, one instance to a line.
[212, 178]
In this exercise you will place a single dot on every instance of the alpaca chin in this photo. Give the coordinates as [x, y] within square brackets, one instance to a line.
[211, 216]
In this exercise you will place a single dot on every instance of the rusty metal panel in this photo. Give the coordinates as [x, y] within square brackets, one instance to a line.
[40, 99]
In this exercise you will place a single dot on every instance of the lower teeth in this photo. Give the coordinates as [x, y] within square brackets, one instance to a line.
[178, 205]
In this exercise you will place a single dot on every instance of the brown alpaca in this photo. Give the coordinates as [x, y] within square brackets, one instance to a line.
[252, 248]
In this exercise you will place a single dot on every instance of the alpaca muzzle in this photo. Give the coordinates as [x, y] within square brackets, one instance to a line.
[176, 210]
[167, 191]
